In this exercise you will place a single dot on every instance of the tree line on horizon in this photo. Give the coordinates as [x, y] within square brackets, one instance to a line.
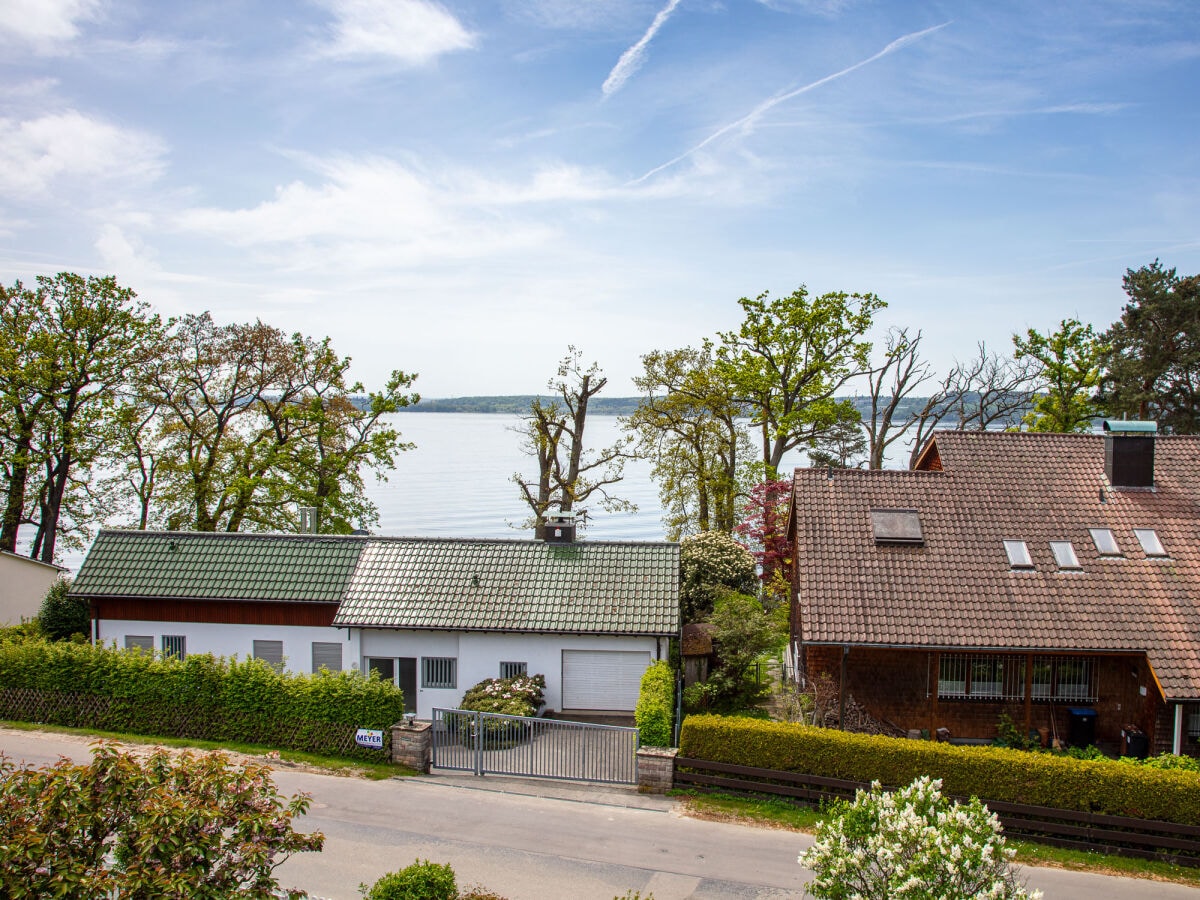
[107, 410]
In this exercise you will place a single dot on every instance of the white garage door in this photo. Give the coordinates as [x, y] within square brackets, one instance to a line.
[603, 679]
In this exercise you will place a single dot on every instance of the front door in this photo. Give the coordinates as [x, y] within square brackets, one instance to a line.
[406, 669]
[401, 672]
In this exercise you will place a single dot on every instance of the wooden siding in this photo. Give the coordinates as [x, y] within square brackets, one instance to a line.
[900, 686]
[228, 612]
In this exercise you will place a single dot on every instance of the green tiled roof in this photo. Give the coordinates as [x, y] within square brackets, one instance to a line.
[589, 587]
[218, 566]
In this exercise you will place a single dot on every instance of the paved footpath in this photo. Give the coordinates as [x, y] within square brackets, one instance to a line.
[538, 840]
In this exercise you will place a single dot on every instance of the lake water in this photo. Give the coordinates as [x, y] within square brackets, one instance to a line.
[457, 482]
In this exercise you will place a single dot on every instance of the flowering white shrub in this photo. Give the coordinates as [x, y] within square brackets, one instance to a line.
[712, 564]
[911, 843]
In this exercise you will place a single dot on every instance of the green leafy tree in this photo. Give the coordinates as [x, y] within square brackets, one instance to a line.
[553, 433]
[843, 443]
[186, 826]
[744, 631]
[911, 844]
[66, 349]
[688, 427]
[242, 425]
[1069, 372]
[1151, 357]
[790, 357]
[712, 564]
[61, 616]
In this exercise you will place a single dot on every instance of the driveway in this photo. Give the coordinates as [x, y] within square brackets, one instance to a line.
[540, 840]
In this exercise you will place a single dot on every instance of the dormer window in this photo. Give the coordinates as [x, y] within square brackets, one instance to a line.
[1148, 538]
[1064, 555]
[1106, 544]
[1018, 554]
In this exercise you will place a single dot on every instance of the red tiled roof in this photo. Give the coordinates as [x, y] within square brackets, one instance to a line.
[957, 589]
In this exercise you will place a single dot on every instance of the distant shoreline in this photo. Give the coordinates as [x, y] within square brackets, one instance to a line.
[518, 405]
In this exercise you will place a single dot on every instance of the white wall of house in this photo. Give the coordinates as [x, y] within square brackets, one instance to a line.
[230, 640]
[479, 655]
[23, 585]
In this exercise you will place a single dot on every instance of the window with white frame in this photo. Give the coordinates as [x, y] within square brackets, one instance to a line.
[1148, 538]
[270, 652]
[143, 642]
[1018, 554]
[513, 669]
[1106, 543]
[439, 672]
[1064, 555]
[174, 645]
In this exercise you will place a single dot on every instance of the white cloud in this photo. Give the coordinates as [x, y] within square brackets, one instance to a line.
[632, 58]
[35, 153]
[44, 22]
[414, 32]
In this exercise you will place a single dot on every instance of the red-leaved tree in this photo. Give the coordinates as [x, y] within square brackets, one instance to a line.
[763, 530]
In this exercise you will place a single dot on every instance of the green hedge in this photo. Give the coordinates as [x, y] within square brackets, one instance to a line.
[990, 773]
[198, 697]
[656, 702]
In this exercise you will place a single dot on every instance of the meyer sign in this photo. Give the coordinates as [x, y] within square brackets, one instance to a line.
[367, 737]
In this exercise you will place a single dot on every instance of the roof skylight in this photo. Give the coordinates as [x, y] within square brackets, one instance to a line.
[1018, 554]
[1106, 544]
[1148, 538]
[897, 526]
[1064, 555]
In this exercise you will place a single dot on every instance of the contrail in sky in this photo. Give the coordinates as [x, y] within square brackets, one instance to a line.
[757, 113]
[632, 58]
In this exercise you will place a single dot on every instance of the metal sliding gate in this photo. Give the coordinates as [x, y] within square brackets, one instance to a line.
[492, 744]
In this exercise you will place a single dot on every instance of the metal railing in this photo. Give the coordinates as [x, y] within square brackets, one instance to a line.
[493, 744]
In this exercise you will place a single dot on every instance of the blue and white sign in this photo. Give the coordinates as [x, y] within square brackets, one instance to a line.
[367, 737]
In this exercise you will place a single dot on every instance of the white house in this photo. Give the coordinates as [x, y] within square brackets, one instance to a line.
[434, 615]
[23, 585]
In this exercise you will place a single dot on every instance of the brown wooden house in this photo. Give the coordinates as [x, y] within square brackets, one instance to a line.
[1040, 576]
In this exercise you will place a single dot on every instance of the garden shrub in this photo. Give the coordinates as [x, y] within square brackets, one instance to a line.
[913, 844]
[992, 773]
[61, 616]
[423, 880]
[198, 697]
[517, 696]
[172, 826]
[656, 703]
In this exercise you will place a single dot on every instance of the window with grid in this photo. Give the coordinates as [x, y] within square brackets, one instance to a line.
[439, 672]
[140, 641]
[270, 652]
[174, 645]
[1193, 722]
[981, 676]
[513, 669]
[1064, 678]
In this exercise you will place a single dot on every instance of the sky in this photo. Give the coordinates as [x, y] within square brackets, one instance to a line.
[463, 189]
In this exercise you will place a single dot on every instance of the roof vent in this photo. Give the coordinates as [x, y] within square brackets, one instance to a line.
[560, 527]
[1129, 454]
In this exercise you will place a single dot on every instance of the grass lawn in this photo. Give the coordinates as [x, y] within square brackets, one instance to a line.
[772, 812]
[334, 765]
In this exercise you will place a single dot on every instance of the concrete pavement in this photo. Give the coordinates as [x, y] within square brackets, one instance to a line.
[528, 839]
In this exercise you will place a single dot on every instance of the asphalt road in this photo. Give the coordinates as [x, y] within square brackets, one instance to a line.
[530, 840]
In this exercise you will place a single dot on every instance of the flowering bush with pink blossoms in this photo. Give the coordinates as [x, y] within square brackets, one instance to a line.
[519, 696]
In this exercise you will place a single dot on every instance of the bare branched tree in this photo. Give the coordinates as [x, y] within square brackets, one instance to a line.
[553, 434]
[899, 374]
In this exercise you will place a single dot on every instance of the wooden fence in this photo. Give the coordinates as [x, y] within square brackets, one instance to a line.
[1146, 838]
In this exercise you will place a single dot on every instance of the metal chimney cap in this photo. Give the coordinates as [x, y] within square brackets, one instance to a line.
[1118, 426]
